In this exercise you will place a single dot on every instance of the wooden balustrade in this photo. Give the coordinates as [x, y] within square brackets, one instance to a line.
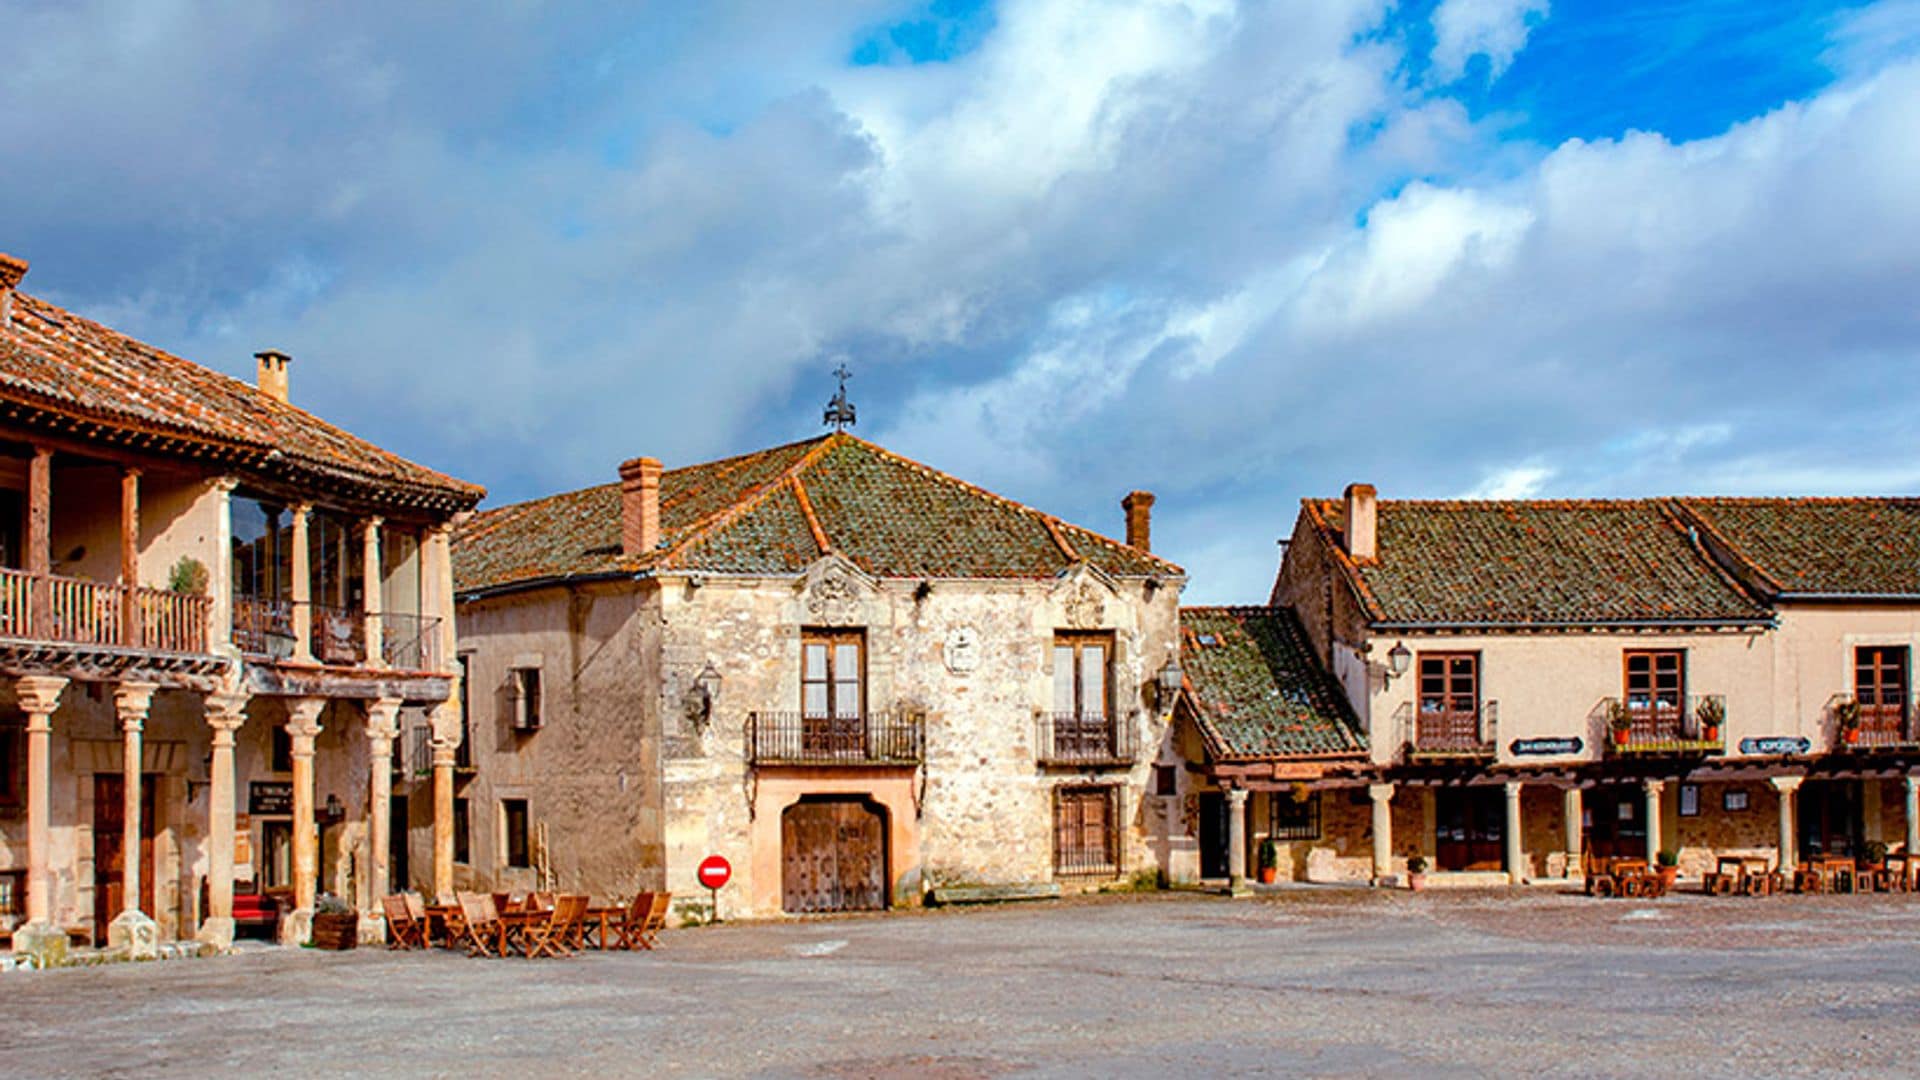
[50, 607]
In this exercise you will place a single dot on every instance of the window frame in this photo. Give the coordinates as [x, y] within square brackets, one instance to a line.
[1448, 693]
[1111, 837]
[831, 639]
[529, 704]
[1077, 641]
[1307, 830]
[1903, 667]
[524, 806]
[1654, 704]
[462, 830]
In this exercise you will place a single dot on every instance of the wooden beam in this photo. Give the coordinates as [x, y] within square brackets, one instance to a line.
[40, 536]
[130, 558]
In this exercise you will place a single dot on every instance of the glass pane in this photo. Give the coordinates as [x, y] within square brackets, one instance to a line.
[814, 699]
[846, 698]
[816, 661]
[846, 661]
[1063, 678]
[1093, 680]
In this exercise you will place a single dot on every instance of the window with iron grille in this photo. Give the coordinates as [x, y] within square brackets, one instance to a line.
[1086, 834]
[1290, 818]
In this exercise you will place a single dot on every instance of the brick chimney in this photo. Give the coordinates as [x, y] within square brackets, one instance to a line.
[1363, 523]
[271, 372]
[639, 506]
[11, 271]
[1139, 508]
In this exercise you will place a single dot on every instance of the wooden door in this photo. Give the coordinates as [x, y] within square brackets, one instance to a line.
[1083, 834]
[1469, 828]
[1830, 818]
[1616, 823]
[834, 857]
[109, 854]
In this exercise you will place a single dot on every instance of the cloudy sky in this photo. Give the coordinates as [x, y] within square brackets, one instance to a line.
[1235, 253]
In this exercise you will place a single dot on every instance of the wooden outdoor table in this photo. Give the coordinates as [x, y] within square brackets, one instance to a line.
[1904, 864]
[597, 927]
[445, 917]
[1831, 868]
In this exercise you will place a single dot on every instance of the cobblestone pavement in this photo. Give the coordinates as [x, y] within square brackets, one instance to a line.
[1308, 981]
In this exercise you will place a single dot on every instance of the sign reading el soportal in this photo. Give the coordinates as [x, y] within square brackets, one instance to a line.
[714, 871]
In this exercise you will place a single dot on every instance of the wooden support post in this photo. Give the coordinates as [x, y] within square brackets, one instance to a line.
[130, 635]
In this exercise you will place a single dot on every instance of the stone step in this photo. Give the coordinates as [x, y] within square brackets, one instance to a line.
[995, 894]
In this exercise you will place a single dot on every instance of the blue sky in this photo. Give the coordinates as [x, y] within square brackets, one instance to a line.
[1235, 252]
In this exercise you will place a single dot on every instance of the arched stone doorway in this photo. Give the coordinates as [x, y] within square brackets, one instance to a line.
[833, 855]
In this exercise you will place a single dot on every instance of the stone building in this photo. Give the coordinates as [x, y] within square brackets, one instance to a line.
[216, 611]
[854, 677]
[1541, 679]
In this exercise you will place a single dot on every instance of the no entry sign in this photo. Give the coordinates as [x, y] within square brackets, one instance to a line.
[715, 871]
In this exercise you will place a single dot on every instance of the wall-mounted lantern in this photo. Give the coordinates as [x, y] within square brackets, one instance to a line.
[701, 694]
[1399, 659]
[1167, 683]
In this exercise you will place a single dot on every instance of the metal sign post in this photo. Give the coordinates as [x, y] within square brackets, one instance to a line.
[714, 872]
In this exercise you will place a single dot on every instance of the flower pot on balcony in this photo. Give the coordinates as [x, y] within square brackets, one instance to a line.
[1851, 736]
[1621, 735]
[1710, 732]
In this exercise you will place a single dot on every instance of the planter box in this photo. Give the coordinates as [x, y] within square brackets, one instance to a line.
[336, 932]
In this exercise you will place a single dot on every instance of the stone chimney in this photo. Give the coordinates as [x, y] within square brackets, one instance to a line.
[11, 271]
[272, 373]
[639, 506]
[1363, 523]
[1139, 508]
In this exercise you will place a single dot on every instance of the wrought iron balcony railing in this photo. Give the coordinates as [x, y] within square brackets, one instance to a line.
[49, 607]
[1450, 734]
[1694, 726]
[890, 737]
[339, 635]
[1869, 727]
[263, 626]
[1084, 739]
[410, 642]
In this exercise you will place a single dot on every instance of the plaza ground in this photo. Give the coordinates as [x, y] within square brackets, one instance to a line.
[1308, 981]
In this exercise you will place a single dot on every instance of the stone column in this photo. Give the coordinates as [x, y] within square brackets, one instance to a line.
[374, 603]
[382, 726]
[1516, 846]
[445, 741]
[38, 695]
[1382, 796]
[1913, 813]
[1786, 786]
[1574, 809]
[132, 929]
[303, 725]
[1653, 789]
[302, 586]
[225, 713]
[1237, 842]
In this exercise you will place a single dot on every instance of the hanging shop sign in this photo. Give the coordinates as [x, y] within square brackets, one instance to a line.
[1777, 744]
[270, 797]
[1545, 747]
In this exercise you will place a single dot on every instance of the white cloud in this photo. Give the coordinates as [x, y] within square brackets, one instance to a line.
[1495, 29]
[1514, 482]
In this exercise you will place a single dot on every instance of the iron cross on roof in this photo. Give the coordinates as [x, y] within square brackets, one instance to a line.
[839, 414]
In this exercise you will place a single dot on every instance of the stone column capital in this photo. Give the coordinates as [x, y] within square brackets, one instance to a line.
[1380, 792]
[38, 696]
[383, 721]
[303, 721]
[1784, 784]
[131, 700]
[1237, 796]
[1513, 789]
[1913, 782]
[225, 484]
[1653, 787]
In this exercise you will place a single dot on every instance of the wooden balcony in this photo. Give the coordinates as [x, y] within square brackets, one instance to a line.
[76, 611]
[1652, 728]
[1084, 740]
[1440, 735]
[410, 642]
[1872, 728]
[897, 737]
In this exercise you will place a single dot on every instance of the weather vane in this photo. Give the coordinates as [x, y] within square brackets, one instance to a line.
[840, 411]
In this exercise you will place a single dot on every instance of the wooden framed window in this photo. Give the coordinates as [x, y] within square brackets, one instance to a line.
[462, 832]
[1880, 680]
[1656, 679]
[1450, 683]
[1294, 819]
[528, 707]
[1086, 836]
[1081, 667]
[833, 670]
[518, 828]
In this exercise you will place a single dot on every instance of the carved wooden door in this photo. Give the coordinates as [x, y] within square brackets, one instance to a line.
[109, 855]
[834, 857]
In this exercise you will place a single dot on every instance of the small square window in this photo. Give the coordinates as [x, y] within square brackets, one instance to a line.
[1734, 800]
[1166, 780]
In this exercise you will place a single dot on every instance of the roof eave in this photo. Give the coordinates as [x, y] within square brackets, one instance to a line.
[1734, 622]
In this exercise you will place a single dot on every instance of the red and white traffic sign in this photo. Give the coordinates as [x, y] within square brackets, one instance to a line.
[715, 871]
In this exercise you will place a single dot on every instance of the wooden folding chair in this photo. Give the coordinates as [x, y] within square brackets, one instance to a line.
[548, 937]
[632, 921]
[482, 930]
[403, 930]
[539, 901]
[656, 919]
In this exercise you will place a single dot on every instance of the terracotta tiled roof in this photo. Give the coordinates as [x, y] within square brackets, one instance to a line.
[1834, 547]
[777, 511]
[1256, 690]
[1536, 563]
[58, 364]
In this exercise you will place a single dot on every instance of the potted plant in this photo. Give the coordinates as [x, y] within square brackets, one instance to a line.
[1269, 861]
[1846, 720]
[1417, 873]
[335, 925]
[1620, 722]
[1669, 867]
[1711, 713]
[1875, 855]
[188, 577]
